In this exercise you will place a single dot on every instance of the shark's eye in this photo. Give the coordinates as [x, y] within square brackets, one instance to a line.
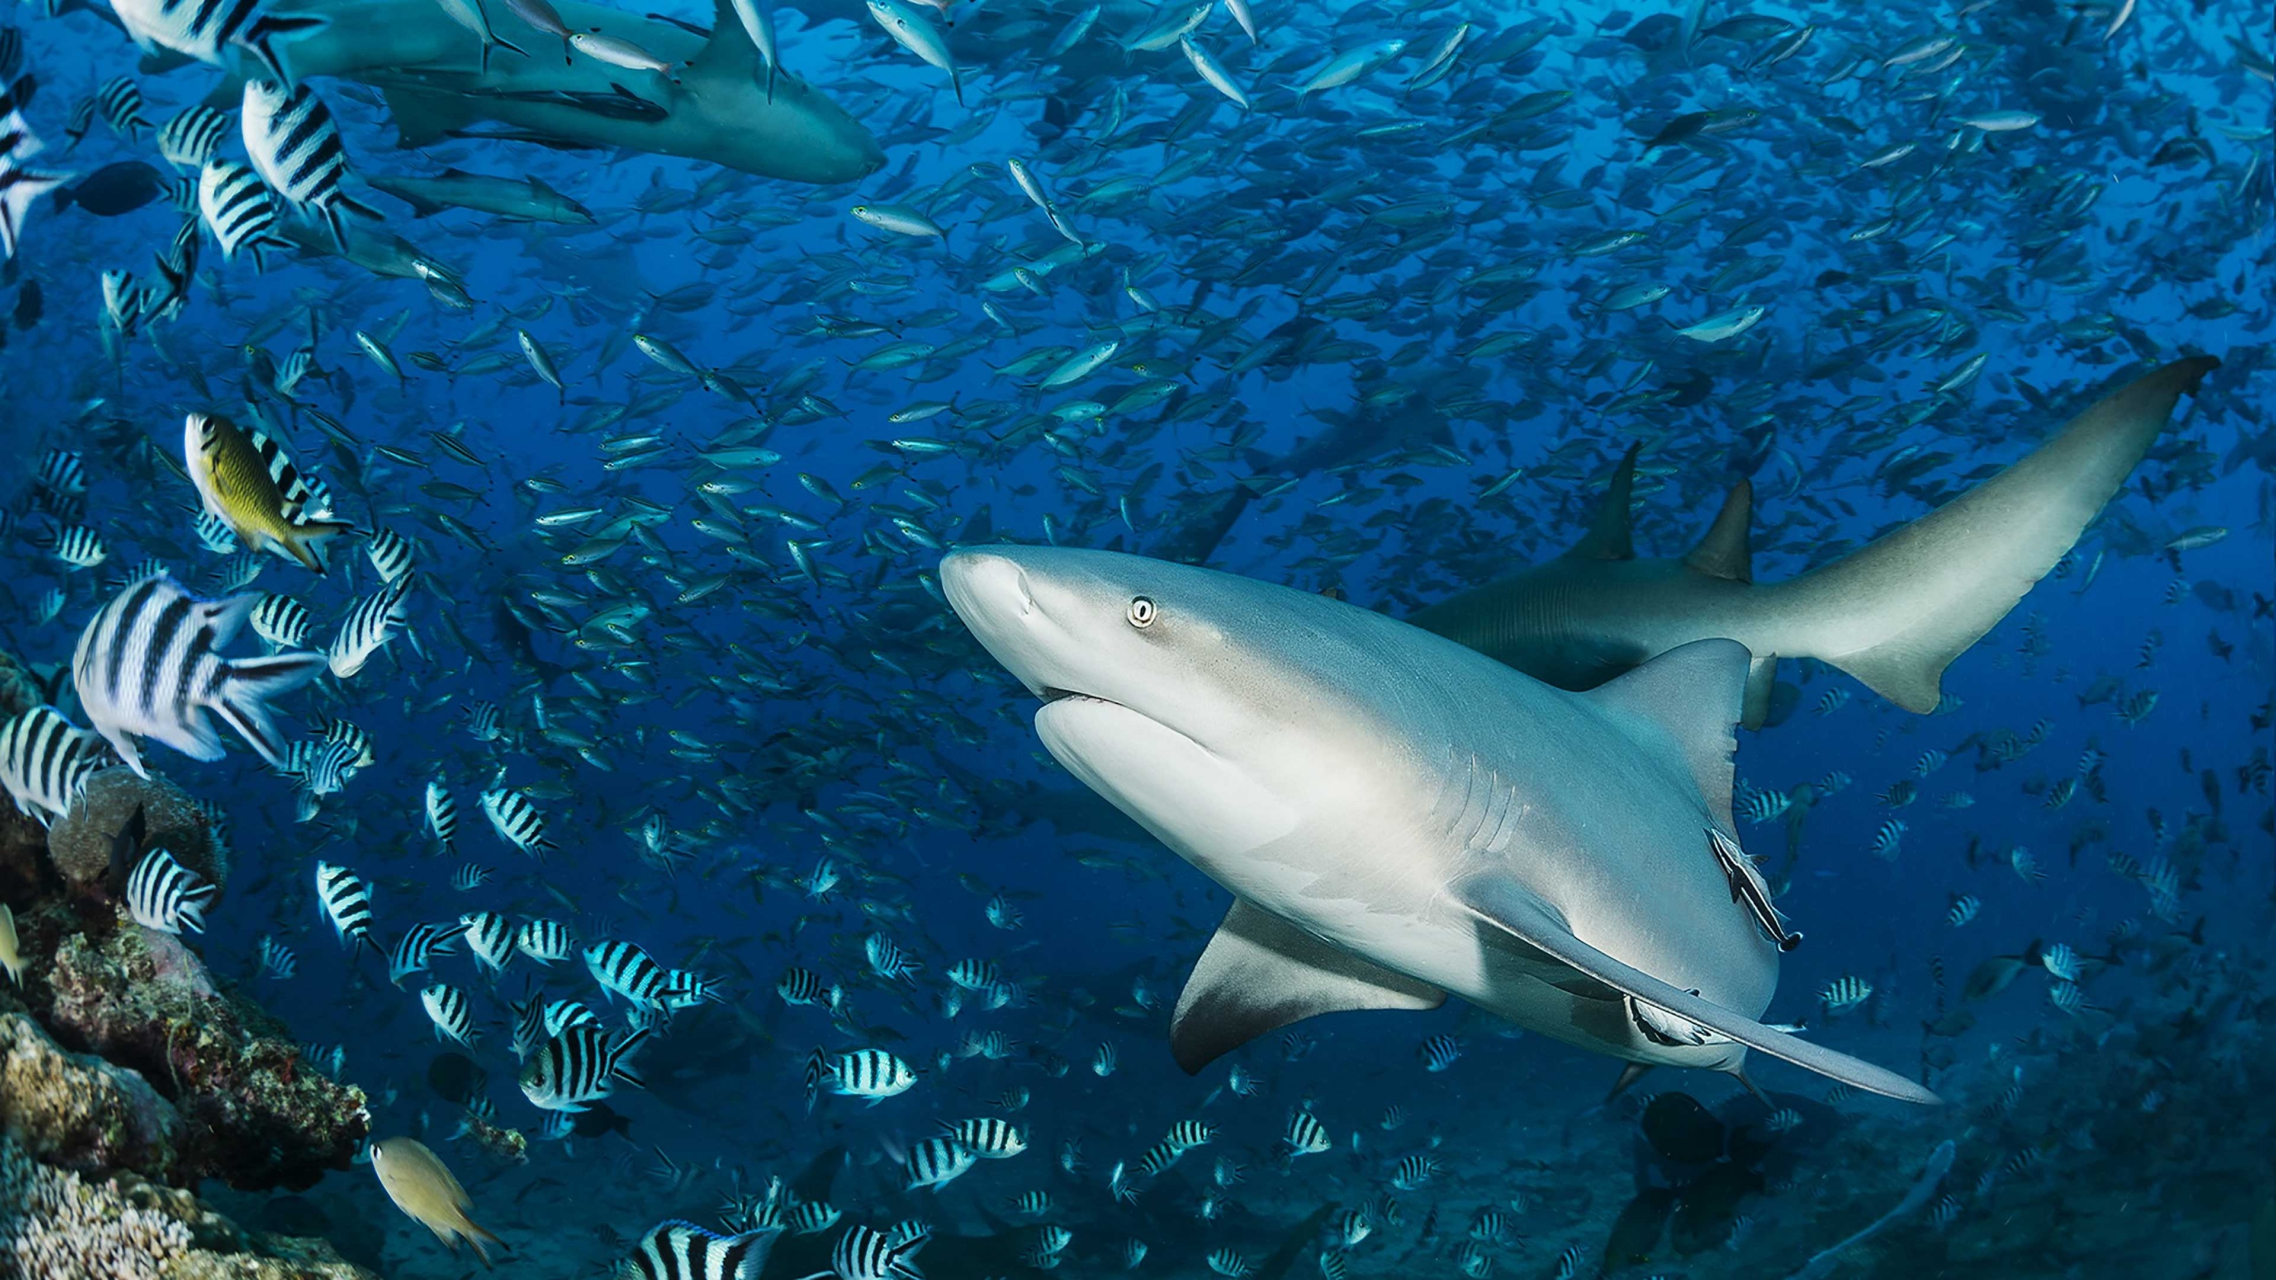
[1142, 611]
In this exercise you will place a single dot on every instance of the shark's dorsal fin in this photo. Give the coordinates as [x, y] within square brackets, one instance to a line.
[1692, 694]
[729, 51]
[1723, 553]
[1501, 901]
[1261, 973]
[1611, 535]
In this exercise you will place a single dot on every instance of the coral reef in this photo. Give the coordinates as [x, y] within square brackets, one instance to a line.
[253, 1114]
[56, 1225]
[80, 1111]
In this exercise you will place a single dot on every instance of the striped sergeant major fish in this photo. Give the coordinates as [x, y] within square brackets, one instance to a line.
[516, 820]
[391, 554]
[347, 904]
[451, 1012]
[623, 969]
[677, 1250]
[937, 1161]
[164, 895]
[245, 479]
[281, 621]
[45, 761]
[989, 1137]
[119, 103]
[321, 768]
[442, 814]
[193, 137]
[580, 1067]
[544, 941]
[865, 1253]
[869, 1074]
[212, 31]
[348, 734]
[1305, 1135]
[369, 625]
[295, 146]
[237, 208]
[149, 665]
[418, 948]
[491, 937]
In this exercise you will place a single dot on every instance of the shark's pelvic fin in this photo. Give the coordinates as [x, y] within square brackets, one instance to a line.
[1502, 903]
[1611, 535]
[1724, 552]
[1261, 973]
[1692, 694]
[1630, 1073]
[1895, 613]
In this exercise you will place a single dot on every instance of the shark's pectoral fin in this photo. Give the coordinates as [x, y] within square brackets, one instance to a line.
[1261, 973]
[1693, 694]
[1510, 907]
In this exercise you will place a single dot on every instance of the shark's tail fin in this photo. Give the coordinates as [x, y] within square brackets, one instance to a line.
[1895, 613]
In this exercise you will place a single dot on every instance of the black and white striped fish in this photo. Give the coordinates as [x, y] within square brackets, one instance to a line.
[419, 946]
[451, 1012]
[865, 1253]
[804, 986]
[579, 1067]
[371, 623]
[491, 937]
[482, 720]
[163, 894]
[119, 102]
[811, 1217]
[391, 553]
[347, 904]
[193, 137]
[544, 941]
[45, 761]
[19, 186]
[321, 768]
[683, 1251]
[442, 814]
[148, 664]
[295, 146]
[61, 471]
[870, 1074]
[80, 547]
[281, 620]
[623, 969]
[237, 207]
[935, 1162]
[1439, 1052]
[990, 1137]
[516, 820]
[1305, 1135]
[351, 735]
[211, 31]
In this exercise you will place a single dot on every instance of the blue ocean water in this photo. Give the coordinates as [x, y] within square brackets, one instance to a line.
[1363, 342]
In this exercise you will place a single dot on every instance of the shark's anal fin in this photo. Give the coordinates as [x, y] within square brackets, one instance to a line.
[1261, 973]
[1506, 905]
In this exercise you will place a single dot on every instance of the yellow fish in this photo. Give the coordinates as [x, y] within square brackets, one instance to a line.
[422, 1188]
[248, 483]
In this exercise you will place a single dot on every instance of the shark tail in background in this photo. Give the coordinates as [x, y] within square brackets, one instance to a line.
[1895, 613]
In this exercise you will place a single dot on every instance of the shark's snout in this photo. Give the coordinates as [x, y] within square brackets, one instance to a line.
[991, 594]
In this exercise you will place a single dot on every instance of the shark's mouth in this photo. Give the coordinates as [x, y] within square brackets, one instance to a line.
[1051, 695]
